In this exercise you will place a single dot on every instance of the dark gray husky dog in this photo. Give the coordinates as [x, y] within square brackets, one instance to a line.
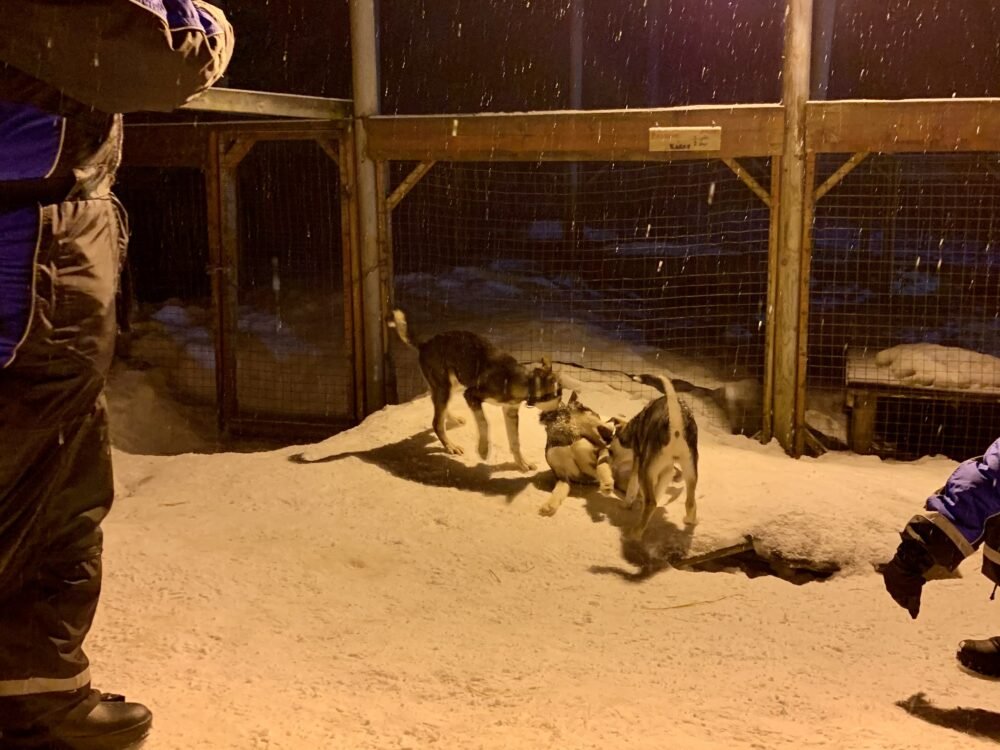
[663, 442]
[576, 449]
[455, 359]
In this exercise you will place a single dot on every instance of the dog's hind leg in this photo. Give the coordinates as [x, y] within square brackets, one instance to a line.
[440, 398]
[511, 422]
[559, 493]
[648, 506]
[596, 462]
[690, 484]
[633, 490]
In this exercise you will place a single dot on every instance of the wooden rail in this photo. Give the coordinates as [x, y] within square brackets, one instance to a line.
[747, 130]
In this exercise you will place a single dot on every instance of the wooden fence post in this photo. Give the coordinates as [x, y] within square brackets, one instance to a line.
[789, 256]
[365, 66]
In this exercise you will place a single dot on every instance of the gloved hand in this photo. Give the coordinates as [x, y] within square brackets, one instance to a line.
[904, 575]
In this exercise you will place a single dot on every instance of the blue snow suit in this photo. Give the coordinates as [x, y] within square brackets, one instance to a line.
[965, 514]
[68, 69]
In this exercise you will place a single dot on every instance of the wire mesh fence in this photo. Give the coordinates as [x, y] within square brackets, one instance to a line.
[172, 315]
[292, 358]
[290, 339]
[615, 267]
[905, 301]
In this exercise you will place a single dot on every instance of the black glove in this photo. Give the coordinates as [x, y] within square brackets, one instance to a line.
[904, 575]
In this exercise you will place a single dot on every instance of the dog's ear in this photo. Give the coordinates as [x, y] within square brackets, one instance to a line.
[573, 398]
[606, 433]
[546, 363]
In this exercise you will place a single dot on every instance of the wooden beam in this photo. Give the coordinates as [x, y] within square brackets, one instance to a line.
[909, 125]
[833, 180]
[243, 102]
[409, 183]
[748, 180]
[332, 149]
[184, 144]
[235, 151]
[150, 146]
[747, 130]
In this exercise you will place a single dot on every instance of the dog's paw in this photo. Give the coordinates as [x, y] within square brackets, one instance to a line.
[524, 465]
[607, 489]
[691, 520]
[455, 450]
[548, 510]
[626, 504]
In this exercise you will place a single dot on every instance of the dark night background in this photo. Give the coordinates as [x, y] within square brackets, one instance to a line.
[463, 56]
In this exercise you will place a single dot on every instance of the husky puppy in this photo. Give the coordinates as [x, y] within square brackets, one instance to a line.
[576, 449]
[454, 359]
[663, 441]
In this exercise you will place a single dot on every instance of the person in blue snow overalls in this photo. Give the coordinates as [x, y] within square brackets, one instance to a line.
[961, 516]
[68, 69]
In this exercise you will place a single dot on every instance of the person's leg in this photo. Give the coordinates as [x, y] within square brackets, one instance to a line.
[55, 586]
[56, 487]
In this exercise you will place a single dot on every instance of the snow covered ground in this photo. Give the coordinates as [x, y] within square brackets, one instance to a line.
[391, 596]
[387, 595]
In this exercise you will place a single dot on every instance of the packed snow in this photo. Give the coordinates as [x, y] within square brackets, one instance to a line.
[939, 367]
[370, 591]
[391, 596]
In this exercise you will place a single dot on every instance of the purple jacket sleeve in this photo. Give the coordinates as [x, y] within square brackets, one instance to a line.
[118, 55]
[971, 495]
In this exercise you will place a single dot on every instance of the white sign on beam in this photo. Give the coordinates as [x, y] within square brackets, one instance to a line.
[685, 139]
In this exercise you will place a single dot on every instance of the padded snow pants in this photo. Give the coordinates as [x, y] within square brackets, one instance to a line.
[56, 481]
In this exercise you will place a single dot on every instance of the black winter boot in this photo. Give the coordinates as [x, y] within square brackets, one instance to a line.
[982, 657]
[112, 724]
[904, 575]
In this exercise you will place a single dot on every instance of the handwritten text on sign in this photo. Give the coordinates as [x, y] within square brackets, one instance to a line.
[685, 139]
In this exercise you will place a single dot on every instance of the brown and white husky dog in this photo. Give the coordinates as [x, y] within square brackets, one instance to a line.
[662, 443]
[456, 359]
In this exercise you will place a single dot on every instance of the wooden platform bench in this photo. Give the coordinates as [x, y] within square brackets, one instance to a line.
[867, 384]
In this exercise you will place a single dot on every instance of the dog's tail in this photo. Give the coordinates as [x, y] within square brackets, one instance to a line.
[666, 387]
[402, 328]
[683, 386]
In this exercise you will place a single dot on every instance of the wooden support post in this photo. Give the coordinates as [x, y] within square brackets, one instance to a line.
[748, 180]
[350, 196]
[808, 205]
[365, 66]
[767, 431]
[408, 183]
[795, 77]
[833, 180]
[230, 154]
[386, 292]
[862, 421]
